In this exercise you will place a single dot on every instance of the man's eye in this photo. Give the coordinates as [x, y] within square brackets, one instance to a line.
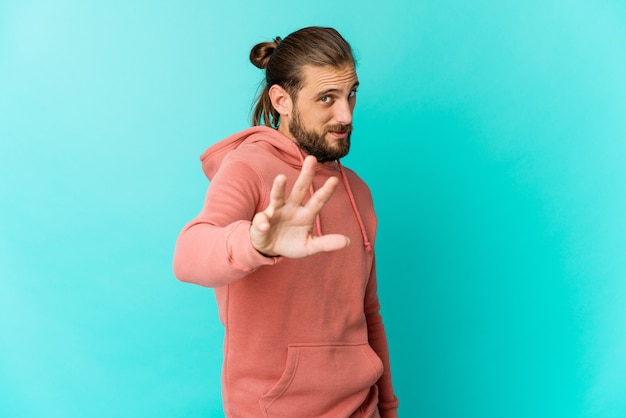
[352, 94]
[325, 99]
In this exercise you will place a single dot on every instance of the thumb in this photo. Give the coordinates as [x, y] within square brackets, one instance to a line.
[327, 243]
[261, 222]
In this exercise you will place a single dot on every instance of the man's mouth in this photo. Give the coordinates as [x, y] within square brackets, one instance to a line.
[340, 131]
[339, 135]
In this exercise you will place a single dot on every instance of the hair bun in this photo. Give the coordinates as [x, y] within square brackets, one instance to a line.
[262, 52]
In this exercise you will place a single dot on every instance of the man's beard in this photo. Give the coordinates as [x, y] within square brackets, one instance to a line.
[315, 144]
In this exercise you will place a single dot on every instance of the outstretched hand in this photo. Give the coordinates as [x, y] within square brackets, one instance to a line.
[285, 227]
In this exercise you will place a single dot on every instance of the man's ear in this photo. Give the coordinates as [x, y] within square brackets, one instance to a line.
[281, 100]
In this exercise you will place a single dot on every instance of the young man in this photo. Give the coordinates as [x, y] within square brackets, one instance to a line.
[285, 238]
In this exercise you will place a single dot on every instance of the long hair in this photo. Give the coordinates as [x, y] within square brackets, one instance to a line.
[283, 59]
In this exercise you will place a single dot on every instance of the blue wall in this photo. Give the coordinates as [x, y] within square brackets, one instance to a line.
[491, 133]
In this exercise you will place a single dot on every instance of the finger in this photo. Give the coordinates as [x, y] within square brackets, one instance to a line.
[277, 194]
[322, 195]
[259, 233]
[330, 242]
[301, 187]
[261, 222]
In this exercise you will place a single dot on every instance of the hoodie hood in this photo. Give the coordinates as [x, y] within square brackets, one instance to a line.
[283, 147]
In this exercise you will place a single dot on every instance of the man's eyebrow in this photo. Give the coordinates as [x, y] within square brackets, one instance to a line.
[337, 91]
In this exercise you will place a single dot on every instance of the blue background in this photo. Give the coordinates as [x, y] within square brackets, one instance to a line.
[492, 134]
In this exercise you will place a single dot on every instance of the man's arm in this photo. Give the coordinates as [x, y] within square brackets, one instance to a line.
[227, 241]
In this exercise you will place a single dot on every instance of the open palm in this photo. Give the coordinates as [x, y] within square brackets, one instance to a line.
[285, 227]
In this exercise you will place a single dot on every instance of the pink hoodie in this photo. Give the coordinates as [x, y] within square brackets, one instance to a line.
[304, 337]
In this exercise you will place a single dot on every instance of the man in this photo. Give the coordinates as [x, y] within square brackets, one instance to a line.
[294, 273]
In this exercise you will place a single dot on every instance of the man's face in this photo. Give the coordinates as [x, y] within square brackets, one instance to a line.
[321, 118]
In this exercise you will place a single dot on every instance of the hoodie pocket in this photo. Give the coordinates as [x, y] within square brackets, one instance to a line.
[323, 380]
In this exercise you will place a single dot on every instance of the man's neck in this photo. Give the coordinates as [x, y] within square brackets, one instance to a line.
[284, 129]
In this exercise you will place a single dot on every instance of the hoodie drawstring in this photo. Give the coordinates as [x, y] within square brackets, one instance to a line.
[355, 209]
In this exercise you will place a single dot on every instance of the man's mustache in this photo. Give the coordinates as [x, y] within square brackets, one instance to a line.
[339, 128]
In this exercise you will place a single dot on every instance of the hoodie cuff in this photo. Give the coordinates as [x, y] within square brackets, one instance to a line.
[241, 254]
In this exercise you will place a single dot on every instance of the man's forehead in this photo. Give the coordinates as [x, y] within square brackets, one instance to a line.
[321, 78]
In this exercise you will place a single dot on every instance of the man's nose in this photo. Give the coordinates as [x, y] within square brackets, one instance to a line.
[343, 112]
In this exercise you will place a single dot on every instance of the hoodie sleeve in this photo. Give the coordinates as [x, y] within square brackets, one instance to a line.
[388, 403]
[214, 249]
